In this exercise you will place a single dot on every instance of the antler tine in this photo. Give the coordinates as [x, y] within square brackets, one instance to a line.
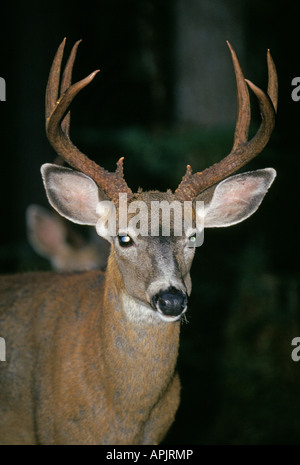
[243, 103]
[65, 84]
[272, 80]
[58, 122]
[53, 80]
[243, 150]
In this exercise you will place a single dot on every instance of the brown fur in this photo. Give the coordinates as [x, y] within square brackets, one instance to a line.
[77, 372]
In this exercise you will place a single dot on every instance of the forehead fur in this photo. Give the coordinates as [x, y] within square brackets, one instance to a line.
[169, 196]
[149, 196]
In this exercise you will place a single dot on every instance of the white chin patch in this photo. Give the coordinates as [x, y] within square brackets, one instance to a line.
[170, 318]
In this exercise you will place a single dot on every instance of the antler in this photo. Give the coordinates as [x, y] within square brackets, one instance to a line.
[243, 150]
[58, 125]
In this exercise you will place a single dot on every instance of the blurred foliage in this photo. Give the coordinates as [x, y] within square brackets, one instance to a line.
[159, 156]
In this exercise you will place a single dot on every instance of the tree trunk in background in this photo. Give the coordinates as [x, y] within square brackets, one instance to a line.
[205, 91]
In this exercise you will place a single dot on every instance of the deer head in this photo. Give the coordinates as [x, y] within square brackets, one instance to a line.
[51, 237]
[154, 270]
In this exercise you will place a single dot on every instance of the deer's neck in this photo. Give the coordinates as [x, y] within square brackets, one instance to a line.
[140, 349]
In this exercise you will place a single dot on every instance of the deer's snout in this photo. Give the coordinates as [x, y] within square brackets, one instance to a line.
[170, 302]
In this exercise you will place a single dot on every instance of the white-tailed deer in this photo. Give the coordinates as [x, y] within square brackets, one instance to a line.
[51, 237]
[91, 357]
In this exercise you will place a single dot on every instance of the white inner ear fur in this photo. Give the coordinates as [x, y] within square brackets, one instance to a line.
[71, 193]
[237, 197]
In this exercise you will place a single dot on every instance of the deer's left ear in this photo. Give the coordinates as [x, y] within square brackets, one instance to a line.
[237, 197]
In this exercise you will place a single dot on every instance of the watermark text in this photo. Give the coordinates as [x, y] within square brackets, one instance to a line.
[162, 455]
[2, 90]
[2, 350]
[296, 91]
[296, 352]
[154, 218]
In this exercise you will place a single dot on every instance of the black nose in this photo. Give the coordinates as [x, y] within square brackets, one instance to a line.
[170, 302]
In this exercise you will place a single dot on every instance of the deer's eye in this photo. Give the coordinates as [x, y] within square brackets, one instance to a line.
[192, 240]
[125, 241]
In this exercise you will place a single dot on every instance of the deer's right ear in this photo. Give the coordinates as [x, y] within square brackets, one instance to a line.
[71, 193]
[237, 197]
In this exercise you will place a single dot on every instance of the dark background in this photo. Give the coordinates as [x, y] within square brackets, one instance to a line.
[165, 97]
